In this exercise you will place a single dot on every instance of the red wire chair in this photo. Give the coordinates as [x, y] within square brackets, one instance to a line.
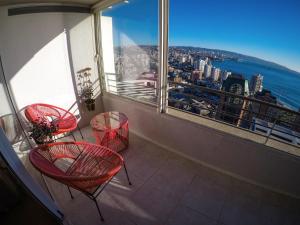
[62, 119]
[82, 166]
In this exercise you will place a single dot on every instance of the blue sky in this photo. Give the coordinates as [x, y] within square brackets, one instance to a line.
[268, 29]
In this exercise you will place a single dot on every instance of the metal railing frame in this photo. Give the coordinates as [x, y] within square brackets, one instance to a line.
[272, 120]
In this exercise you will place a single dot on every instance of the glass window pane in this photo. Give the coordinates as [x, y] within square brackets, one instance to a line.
[237, 62]
[129, 37]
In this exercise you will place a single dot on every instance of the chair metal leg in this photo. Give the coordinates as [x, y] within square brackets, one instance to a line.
[95, 200]
[80, 132]
[47, 187]
[70, 192]
[73, 136]
[129, 182]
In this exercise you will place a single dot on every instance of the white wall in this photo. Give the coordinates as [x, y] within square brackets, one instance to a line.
[108, 53]
[107, 44]
[82, 43]
[41, 53]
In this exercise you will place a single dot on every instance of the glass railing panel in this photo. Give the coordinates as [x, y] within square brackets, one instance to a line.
[129, 38]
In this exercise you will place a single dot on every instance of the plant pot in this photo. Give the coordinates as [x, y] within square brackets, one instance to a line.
[90, 105]
[38, 142]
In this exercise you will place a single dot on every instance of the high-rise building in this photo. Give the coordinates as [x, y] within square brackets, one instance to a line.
[191, 59]
[196, 65]
[233, 109]
[256, 83]
[207, 60]
[201, 75]
[236, 84]
[215, 73]
[207, 70]
[199, 65]
[224, 75]
[212, 73]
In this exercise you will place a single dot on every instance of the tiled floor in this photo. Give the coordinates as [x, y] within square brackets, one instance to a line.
[170, 190]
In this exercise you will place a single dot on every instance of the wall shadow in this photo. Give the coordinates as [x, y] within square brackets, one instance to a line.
[25, 35]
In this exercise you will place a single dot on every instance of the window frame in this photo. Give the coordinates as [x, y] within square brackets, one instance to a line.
[162, 87]
[163, 34]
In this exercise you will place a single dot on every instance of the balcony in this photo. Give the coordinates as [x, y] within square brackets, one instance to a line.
[174, 185]
[197, 162]
[171, 189]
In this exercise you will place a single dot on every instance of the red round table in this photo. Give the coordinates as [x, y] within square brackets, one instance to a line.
[111, 130]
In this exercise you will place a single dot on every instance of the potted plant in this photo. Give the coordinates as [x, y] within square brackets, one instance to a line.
[86, 88]
[87, 96]
[42, 132]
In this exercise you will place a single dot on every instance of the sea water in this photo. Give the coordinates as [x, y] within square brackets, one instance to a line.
[283, 83]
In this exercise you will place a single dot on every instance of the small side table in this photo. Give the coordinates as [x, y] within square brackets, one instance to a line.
[111, 130]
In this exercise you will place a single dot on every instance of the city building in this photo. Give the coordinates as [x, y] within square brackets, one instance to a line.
[207, 61]
[177, 79]
[256, 84]
[170, 69]
[183, 59]
[266, 96]
[199, 65]
[265, 111]
[197, 75]
[233, 109]
[196, 64]
[191, 60]
[236, 84]
[224, 75]
[215, 74]
[207, 71]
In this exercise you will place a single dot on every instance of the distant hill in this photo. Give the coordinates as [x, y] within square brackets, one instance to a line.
[243, 57]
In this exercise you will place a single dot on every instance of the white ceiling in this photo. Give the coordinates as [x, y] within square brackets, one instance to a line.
[81, 2]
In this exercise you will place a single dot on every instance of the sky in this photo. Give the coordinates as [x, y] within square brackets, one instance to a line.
[267, 29]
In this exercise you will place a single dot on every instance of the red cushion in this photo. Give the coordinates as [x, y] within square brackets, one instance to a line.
[34, 116]
[65, 123]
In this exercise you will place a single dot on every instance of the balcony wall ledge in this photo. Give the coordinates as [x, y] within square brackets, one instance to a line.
[227, 149]
[236, 131]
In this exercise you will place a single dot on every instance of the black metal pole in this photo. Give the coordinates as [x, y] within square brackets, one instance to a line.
[70, 192]
[95, 200]
[129, 182]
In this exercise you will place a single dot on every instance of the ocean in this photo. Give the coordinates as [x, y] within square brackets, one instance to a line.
[284, 84]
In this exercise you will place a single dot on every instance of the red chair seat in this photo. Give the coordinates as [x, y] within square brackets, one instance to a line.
[91, 165]
[65, 121]
[65, 124]
[83, 166]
